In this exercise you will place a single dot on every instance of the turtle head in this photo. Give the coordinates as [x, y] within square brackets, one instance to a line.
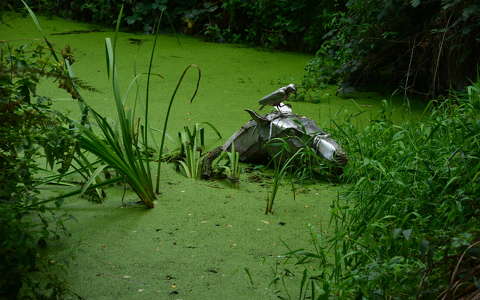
[256, 117]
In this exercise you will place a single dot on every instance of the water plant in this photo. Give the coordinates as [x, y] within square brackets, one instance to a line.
[122, 149]
[192, 146]
[119, 146]
[295, 25]
[191, 149]
[232, 165]
[167, 115]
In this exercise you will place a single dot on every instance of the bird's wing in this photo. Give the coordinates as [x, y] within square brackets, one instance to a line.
[273, 98]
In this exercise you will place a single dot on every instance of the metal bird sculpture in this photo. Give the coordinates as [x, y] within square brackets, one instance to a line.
[277, 97]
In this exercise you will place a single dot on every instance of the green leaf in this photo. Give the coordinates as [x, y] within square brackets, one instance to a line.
[92, 178]
[415, 3]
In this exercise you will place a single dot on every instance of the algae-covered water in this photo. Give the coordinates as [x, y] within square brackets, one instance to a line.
[204, 240]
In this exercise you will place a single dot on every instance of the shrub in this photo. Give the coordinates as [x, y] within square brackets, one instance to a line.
[31, 132]
[294, 25]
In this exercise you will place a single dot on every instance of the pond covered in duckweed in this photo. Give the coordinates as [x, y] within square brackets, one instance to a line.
[204, 239]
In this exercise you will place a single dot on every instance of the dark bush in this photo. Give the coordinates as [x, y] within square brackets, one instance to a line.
[423, 47]
[31, 133]
[294, 25]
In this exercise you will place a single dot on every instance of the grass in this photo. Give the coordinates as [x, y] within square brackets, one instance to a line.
[407, 225]
[302, 165]
[283, 162]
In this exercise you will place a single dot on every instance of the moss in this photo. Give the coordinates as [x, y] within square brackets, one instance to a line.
[201, 236]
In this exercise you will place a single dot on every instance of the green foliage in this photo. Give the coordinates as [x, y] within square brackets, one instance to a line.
[274, 24]
[191, 156]
[229, 162]
[31, 133]
[307, 164]
[408, 224]
[333, 53]
[190, 153]
[301, 163]
[143, 13]
[422, 47]
[282, 165]
[120, 148]
[192, 150]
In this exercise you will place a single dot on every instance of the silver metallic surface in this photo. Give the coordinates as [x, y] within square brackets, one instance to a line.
[277, 97]
[251, 139]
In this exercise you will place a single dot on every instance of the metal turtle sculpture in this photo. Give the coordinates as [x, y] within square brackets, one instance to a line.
[251, 141]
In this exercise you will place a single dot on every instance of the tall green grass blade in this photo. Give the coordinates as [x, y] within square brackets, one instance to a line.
[117, 30]
[302, 285]
[120, 150]
[75, 94]
[147, 93]
[37, 24]
[108, 55]
[278, 176]
[219, 135]
[162, 142]
[250, 278]
[93, 178]
[73, 193]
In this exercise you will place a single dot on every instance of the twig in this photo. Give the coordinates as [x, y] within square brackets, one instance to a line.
[445, 293]
[409, 67]
[438, 57]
